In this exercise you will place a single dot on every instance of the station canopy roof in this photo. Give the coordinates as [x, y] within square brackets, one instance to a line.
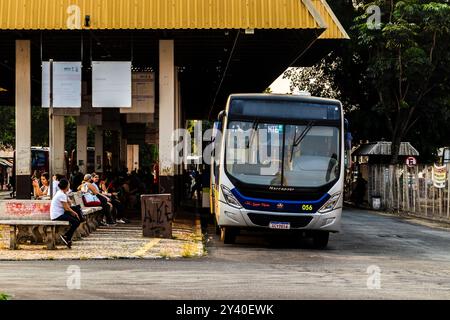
[170, 14]
[383, 148]
[221, 46]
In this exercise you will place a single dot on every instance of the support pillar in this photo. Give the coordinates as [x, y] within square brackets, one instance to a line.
[82, 132]
[123, 153]
[23, 120]
[98, 150]
[132, 157]
[59, 148]
[167, 121]
[115, 150]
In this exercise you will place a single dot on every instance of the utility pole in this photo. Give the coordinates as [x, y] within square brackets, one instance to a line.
[50, 131]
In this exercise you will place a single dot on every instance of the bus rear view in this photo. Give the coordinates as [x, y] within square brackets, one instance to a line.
[278, 164]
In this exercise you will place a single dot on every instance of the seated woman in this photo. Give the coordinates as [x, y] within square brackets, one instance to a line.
[42, 192]
[89, 186]
[60, 210]
[108, 189]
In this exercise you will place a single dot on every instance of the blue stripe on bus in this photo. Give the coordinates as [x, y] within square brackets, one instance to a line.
[240, 197]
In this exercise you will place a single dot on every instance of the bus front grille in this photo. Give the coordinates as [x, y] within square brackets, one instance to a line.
[264, 220]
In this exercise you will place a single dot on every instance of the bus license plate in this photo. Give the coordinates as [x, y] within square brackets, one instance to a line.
[280, 225]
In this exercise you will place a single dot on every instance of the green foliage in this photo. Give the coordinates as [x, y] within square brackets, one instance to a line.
[407, 63]
[7, 129]
[71, 133]
[4, 297]
[393, 81]
[39, 126]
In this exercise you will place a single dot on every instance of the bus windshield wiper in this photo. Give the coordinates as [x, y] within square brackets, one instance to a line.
[254, 127]
[299, 139]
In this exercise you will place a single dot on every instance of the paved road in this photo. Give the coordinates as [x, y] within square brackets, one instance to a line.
[413, 260]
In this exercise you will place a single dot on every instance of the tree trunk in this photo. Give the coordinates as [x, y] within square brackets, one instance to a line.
[401, 124]
[395, 148]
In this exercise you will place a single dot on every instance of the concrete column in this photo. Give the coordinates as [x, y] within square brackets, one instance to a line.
[167, 121]
[23, 120]
[123, 153]
[115, 150]
[132, 157]
[59, 148]
[82, 135]
[98, 149]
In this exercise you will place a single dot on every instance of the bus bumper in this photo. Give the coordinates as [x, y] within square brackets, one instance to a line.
[241, 218]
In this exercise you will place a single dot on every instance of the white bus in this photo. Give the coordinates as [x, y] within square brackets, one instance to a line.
[278, 163]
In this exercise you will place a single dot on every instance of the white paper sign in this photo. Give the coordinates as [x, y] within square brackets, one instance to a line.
[66, 85]
[111, 84]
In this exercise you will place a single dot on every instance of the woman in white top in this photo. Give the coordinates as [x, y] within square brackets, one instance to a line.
[107, 206]
[60, 210]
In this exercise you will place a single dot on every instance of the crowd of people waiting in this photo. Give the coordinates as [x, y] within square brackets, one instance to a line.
[117, 193]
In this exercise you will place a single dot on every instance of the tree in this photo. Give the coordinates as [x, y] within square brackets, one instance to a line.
[393, 81]
[408, 63]
[316, 80]
[8, 127]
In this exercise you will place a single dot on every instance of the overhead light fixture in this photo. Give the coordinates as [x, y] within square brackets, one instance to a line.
[249, 31]
[3, 89]
[87, 21]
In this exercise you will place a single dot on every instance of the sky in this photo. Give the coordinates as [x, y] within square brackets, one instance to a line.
[280, 85]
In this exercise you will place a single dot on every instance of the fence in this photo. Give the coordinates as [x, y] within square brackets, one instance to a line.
[410, 190]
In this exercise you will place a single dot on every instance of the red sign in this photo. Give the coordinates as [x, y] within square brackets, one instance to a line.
[411, 161]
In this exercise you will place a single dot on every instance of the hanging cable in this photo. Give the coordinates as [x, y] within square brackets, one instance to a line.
[41, 47]
[132, 50]
[82, 49]
[224, 73]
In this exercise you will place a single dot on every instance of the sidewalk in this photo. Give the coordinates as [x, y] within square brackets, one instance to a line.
[417, 219]
[118, 242]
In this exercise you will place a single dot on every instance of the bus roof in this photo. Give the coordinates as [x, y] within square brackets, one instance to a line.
[285, 97]
[283, 107]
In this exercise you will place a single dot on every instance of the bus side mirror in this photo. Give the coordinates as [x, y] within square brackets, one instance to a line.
[348, 144]
[221, 116]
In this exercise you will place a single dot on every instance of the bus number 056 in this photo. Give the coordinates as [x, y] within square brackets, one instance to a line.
[307, 207]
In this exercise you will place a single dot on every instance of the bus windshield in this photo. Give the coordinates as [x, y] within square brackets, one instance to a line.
[286, 155]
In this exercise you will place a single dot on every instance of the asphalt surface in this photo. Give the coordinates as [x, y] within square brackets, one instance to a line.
[374, 257]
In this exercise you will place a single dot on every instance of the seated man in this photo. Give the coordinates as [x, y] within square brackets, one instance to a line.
[60, 210]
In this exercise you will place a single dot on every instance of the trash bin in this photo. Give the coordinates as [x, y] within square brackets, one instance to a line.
[376, 203]
[157, 215]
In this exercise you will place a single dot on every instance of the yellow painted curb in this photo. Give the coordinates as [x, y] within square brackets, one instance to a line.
[198, 226]
[147, 247]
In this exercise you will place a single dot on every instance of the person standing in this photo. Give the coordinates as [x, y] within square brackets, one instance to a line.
[60, 210]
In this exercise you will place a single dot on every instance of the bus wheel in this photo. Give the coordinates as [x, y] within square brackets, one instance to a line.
[228, 235]
[320, 239]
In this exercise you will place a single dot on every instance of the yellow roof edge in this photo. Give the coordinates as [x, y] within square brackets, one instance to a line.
[315, 13]
[335, 20]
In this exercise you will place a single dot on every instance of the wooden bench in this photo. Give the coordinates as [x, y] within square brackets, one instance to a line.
[29, 220]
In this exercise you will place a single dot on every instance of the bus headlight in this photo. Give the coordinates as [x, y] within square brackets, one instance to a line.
[230, 198]
[330, 204]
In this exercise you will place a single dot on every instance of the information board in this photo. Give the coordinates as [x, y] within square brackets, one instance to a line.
[66, 84]
[111, 84]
